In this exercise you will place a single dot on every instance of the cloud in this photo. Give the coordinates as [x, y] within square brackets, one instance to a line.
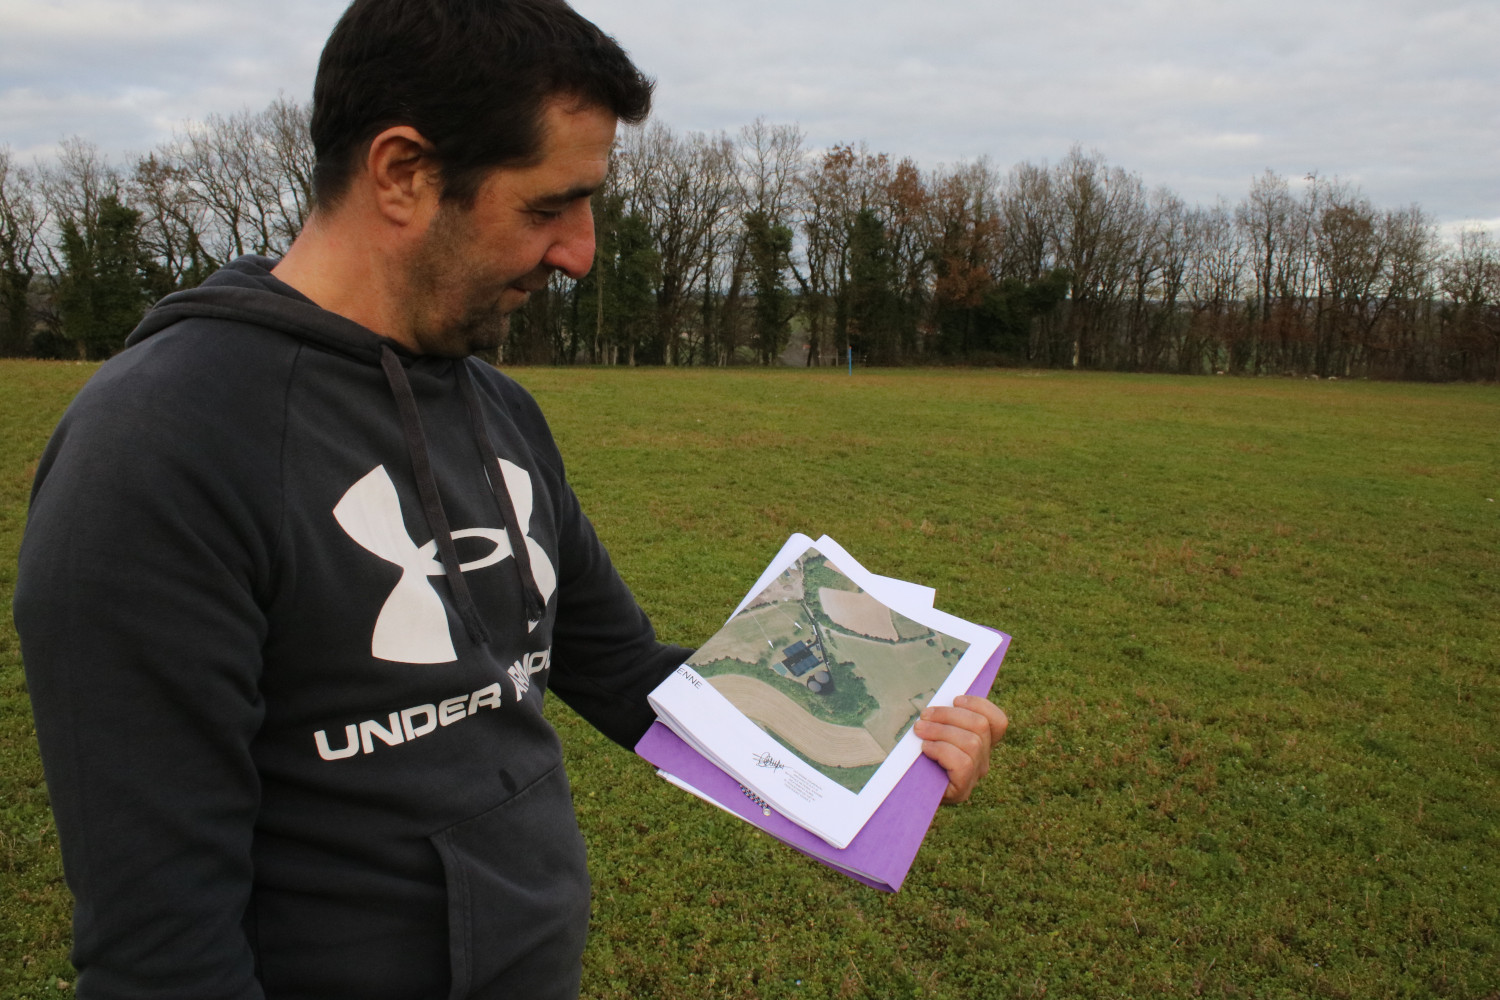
[124, 73]
[1399, 96]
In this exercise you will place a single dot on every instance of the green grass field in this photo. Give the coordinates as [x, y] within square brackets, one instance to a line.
[1255, 684]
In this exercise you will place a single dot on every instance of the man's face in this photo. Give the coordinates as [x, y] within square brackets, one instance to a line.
[475, 265]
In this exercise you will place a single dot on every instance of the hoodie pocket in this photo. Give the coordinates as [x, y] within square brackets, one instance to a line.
[518, 896]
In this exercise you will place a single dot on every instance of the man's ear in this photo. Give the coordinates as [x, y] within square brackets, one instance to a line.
[405, 176]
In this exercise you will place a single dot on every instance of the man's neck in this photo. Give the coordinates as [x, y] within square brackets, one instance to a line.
[346, 274]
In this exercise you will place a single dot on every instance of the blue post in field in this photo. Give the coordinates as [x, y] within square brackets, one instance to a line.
[851, 360]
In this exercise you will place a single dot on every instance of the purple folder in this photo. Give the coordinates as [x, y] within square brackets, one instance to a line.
[881, 853]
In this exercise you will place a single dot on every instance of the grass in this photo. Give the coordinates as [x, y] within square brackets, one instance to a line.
[1255, 684]
[35, 906]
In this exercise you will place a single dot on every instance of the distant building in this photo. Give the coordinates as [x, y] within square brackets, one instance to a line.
[799, 659]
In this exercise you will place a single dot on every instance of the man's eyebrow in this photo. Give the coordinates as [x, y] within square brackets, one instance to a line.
[562, 199]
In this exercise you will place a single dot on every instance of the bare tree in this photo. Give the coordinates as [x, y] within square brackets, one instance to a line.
[825, 247]
[1213, 285]
[1157, 279]
[284, 127]
[80, 178]
[252, 173]
[1028, 231]
[709, 246]
[685, 189]
[769, 165]
[1101, 213]
[174, 223]
[1469, 278]
[23, 218]
[1267, 219]
[217, 160]
[1411, 273]
[75, 189]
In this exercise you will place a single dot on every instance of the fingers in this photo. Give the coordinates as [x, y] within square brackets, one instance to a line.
[963, 769]
[997, 719]
[959, 738]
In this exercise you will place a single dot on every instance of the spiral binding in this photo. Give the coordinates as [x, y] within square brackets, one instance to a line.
[765, 809]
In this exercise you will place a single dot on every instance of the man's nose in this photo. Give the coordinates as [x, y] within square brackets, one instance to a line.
[573, 253]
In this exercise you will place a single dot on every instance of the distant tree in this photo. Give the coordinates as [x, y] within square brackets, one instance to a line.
[1213, 288]
[1156, 282]
[768, 171]
[684, 188]
[250, 173]
[1265, 219]
[76, 183]
[284, 128]
[614, 308]
[1403, 348]
[22, 219]
[1278, 229]
[1028, 229]
[847, 181]
[635, 271]
[106, 287]
[965, 246]
[1011, 309]
[872, 293]
[906, 206]
[1099, 221]
[713, 248]
[1351, 262]
[173, 227]
[76, 187]
[1469, 277]
[1029, 211]
[824, 226]
[769, 248]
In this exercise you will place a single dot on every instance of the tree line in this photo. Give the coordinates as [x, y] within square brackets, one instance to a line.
[718, 249]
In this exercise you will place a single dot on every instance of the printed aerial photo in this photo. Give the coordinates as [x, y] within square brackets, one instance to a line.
[827, 669]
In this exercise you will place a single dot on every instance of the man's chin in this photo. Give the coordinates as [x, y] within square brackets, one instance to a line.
[478, 333]
[484, 337]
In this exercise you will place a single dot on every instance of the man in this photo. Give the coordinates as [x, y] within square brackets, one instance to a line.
[298, 571]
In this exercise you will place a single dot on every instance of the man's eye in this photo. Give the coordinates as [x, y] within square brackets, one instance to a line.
[546, 214]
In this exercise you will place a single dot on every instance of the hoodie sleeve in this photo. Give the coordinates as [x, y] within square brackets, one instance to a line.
[141, 635]
[605, 654]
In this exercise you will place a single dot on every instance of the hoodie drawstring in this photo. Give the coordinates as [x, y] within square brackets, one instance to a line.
[536, 604]
[432, 505]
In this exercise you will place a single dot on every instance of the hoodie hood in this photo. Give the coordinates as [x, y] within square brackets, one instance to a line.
[245, 290]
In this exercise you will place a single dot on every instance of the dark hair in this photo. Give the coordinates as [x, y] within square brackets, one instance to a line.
[472, 76]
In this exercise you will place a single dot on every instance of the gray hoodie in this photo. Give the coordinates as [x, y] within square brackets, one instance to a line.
[289, 602]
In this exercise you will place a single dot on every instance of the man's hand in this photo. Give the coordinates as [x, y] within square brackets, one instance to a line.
[960, 739]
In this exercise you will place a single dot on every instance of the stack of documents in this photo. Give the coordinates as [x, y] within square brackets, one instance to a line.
[797, 714]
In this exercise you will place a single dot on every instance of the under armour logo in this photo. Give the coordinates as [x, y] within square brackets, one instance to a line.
[522, 670]
[412, 626]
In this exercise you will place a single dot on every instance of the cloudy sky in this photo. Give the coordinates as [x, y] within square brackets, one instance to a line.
[1401, 97]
